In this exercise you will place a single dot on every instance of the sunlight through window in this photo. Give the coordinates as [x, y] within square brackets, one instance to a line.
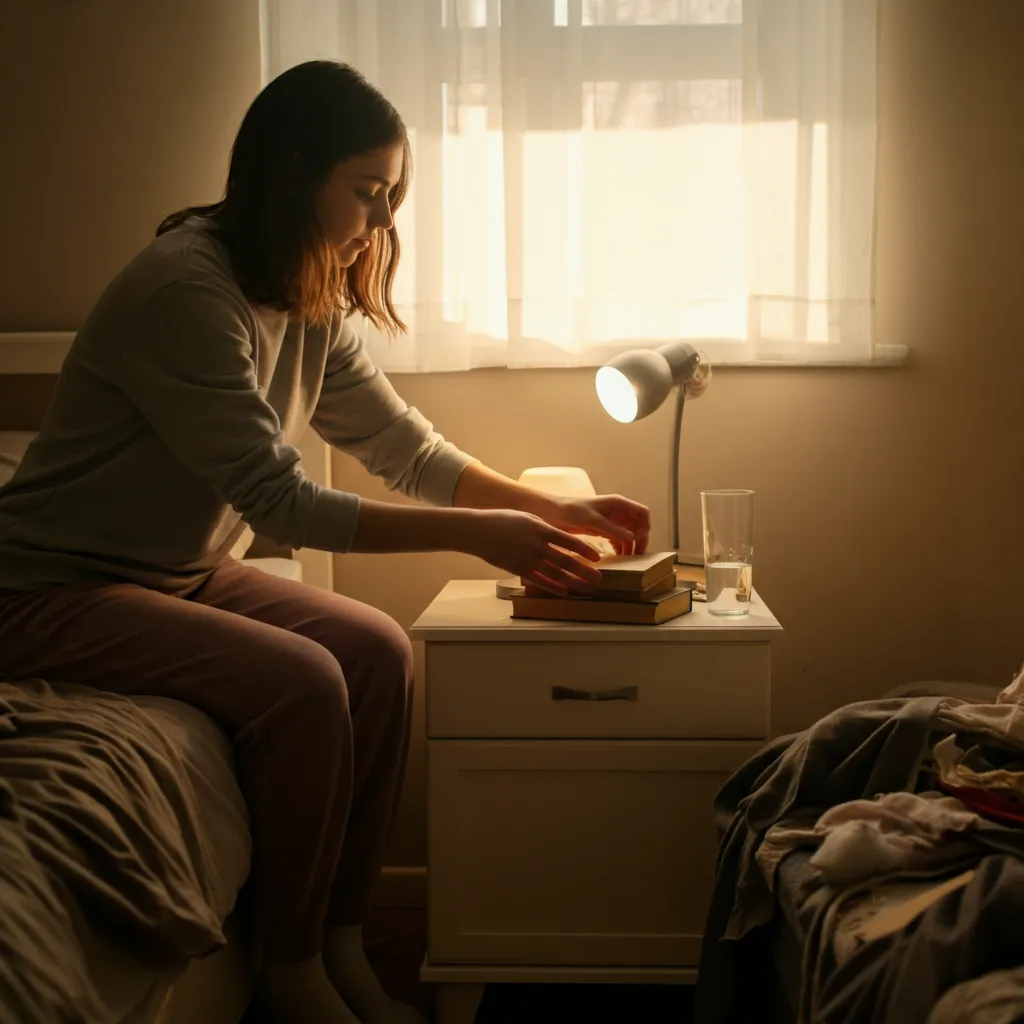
[592, 175]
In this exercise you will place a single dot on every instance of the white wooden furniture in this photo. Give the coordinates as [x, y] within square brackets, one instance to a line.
[571, 773]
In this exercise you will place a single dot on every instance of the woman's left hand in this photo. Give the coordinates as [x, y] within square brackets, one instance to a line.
[627, 524]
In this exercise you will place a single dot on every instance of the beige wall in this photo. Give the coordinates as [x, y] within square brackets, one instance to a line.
[891, 501]
[114, 113]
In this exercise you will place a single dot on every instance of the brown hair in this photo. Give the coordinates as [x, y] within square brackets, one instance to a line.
[303, 123]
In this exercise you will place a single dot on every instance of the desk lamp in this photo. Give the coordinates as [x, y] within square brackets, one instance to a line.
[634, 384]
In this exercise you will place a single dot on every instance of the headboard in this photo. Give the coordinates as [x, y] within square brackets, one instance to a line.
[38, 352]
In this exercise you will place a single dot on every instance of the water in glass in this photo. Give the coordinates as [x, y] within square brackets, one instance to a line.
[728, 585]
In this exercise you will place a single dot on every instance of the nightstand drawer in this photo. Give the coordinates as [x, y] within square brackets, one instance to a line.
[609, 690]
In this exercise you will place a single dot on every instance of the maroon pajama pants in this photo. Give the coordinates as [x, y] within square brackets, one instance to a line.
[313, 688]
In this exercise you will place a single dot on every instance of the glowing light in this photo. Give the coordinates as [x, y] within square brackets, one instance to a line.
[617, 394]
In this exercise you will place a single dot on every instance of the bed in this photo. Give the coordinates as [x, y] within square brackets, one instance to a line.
[215, 989]
[936, 940]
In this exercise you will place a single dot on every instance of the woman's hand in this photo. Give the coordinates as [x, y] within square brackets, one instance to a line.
[533, 550]
[627, 524]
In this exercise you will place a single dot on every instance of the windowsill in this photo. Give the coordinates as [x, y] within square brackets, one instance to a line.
[885, 357]
[43, 352]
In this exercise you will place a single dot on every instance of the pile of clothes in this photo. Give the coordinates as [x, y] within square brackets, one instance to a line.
[908, 814]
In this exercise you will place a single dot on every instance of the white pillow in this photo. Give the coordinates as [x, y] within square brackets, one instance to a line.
[286, 568]
[242, 545]
[13, 444]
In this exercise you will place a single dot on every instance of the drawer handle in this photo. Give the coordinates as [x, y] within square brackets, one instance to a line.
[568, 693]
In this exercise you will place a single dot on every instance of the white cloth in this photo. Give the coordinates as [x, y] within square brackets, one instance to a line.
[596, 175]
[994, 998]
[1001, 721]
[949, 760]
[864, 838]
[1014, 693]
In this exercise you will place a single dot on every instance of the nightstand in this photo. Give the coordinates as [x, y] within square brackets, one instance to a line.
[571, 773]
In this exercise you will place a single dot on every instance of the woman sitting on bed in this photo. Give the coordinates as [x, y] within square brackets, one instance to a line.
[174, 424]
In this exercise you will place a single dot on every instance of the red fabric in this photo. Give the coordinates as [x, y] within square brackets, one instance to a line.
[1005, 809]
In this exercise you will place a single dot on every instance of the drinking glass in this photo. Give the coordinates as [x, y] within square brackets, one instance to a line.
[728, 519]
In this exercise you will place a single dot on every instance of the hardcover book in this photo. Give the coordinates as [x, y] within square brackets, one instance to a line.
[657, 609]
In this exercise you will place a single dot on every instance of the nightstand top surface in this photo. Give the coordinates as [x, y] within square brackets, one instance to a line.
[469, 610]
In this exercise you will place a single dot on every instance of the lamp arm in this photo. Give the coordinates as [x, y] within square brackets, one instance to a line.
[677, 431]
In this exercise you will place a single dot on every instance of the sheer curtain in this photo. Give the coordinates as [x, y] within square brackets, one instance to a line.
[594, 175]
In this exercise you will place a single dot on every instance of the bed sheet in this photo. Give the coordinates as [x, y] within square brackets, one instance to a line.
[133, 991]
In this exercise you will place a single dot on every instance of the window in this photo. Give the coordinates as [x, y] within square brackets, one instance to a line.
[593, 175]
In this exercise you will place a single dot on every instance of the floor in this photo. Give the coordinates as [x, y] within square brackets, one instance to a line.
[396, 942]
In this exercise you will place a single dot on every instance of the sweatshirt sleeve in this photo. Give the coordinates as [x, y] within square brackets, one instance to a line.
[360, 413]
[187, 366]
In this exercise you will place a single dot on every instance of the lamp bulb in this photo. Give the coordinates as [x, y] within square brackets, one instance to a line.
[617, 394]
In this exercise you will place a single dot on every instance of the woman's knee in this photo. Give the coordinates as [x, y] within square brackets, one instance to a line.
[313, 679]
[293, 696]
[391, 643]
[379, 650]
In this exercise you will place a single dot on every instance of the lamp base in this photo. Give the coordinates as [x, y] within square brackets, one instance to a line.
[691, 570]
[689, 558]
[507, 587]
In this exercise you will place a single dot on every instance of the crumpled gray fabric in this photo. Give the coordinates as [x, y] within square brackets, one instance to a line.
[965, 935]
[42, 973]
[857, 752]
[100, 803]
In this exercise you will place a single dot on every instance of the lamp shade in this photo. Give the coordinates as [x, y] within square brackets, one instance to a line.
[634, 384]
[564, 481]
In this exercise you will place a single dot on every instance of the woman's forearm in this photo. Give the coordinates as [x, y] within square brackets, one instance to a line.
[383, 526]
[480, 487]
[386, 527]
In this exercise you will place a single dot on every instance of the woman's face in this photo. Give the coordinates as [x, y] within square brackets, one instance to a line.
[353, 202]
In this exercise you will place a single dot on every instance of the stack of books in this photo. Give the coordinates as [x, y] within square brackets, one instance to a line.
[634, 589]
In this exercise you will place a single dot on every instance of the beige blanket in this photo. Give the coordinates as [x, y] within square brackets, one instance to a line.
[92, 799]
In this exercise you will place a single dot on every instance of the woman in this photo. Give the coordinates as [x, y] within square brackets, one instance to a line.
[173, 425]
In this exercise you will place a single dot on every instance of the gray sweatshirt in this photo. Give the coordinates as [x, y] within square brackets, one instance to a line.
[175, 421]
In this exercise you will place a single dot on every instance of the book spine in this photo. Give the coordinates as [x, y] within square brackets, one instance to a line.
[656, 589]
[599, 611]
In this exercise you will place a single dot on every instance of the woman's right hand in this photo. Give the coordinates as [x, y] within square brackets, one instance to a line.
[533, 550]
